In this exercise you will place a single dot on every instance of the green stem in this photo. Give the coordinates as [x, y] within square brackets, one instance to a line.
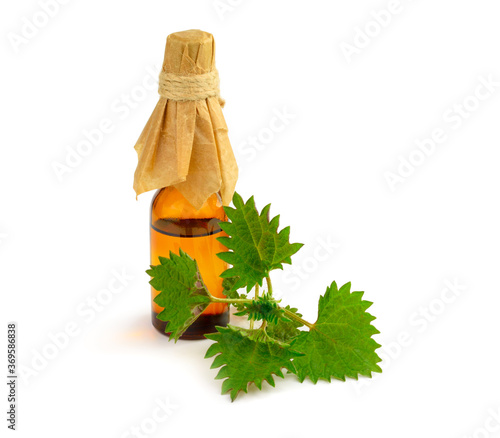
[229, 300]
[256, 297]
[269, 286]
[263, 326]
[298, 318]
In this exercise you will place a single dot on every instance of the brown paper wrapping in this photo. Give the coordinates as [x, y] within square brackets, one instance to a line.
[185, 143]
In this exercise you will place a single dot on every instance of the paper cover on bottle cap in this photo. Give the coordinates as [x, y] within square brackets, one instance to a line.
[185, 143]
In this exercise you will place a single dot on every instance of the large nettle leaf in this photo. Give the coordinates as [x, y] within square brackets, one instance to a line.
[256, 247]
[182, 292]
[340, 343]
[246, 359]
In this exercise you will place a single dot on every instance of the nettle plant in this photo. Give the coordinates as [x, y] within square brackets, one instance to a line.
[339, 344]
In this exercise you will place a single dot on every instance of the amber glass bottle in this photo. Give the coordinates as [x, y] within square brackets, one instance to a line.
[176, 224]
[184, 152]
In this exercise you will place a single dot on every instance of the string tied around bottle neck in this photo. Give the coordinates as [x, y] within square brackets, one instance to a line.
[190, 88]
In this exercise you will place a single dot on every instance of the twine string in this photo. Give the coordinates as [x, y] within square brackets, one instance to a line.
[190, 88]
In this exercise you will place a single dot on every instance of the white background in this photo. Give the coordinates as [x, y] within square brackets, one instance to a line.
[354, 118]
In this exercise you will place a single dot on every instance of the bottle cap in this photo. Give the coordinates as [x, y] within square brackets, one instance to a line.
[190, 52]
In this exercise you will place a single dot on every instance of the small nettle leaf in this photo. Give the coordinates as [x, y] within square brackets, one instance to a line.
[263, 308]
[246, 359]
[285, 330]
[228, 285]
[229, 292]
[340, 343]
[183, 294]
[256, 247]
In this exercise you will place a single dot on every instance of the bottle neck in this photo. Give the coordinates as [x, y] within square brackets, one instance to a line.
[170, 203]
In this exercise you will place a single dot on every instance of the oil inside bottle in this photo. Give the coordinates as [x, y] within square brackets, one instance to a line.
[198, 238]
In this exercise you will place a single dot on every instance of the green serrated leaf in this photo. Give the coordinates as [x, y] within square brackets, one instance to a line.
[228, 285]
[283, 330]
[245, 359]
[265, 307]
[229, 292]
[256, 247]
[183, 294]
[340, 343]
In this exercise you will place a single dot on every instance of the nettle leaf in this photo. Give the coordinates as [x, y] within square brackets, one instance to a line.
[263, 308]
[245, 359]
[283, 330]
[340, 343]
[229, 291]
[228, 287]
[182, 292]
[256, 247]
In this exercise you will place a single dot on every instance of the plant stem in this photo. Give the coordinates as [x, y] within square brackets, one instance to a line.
[256, 297]
[298, 318]
[269, 286]
[229, 300]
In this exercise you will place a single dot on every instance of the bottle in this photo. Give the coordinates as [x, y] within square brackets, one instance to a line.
[175, 224]
[185, 154]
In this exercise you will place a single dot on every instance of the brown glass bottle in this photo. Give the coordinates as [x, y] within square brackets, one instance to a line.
[176, 224]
